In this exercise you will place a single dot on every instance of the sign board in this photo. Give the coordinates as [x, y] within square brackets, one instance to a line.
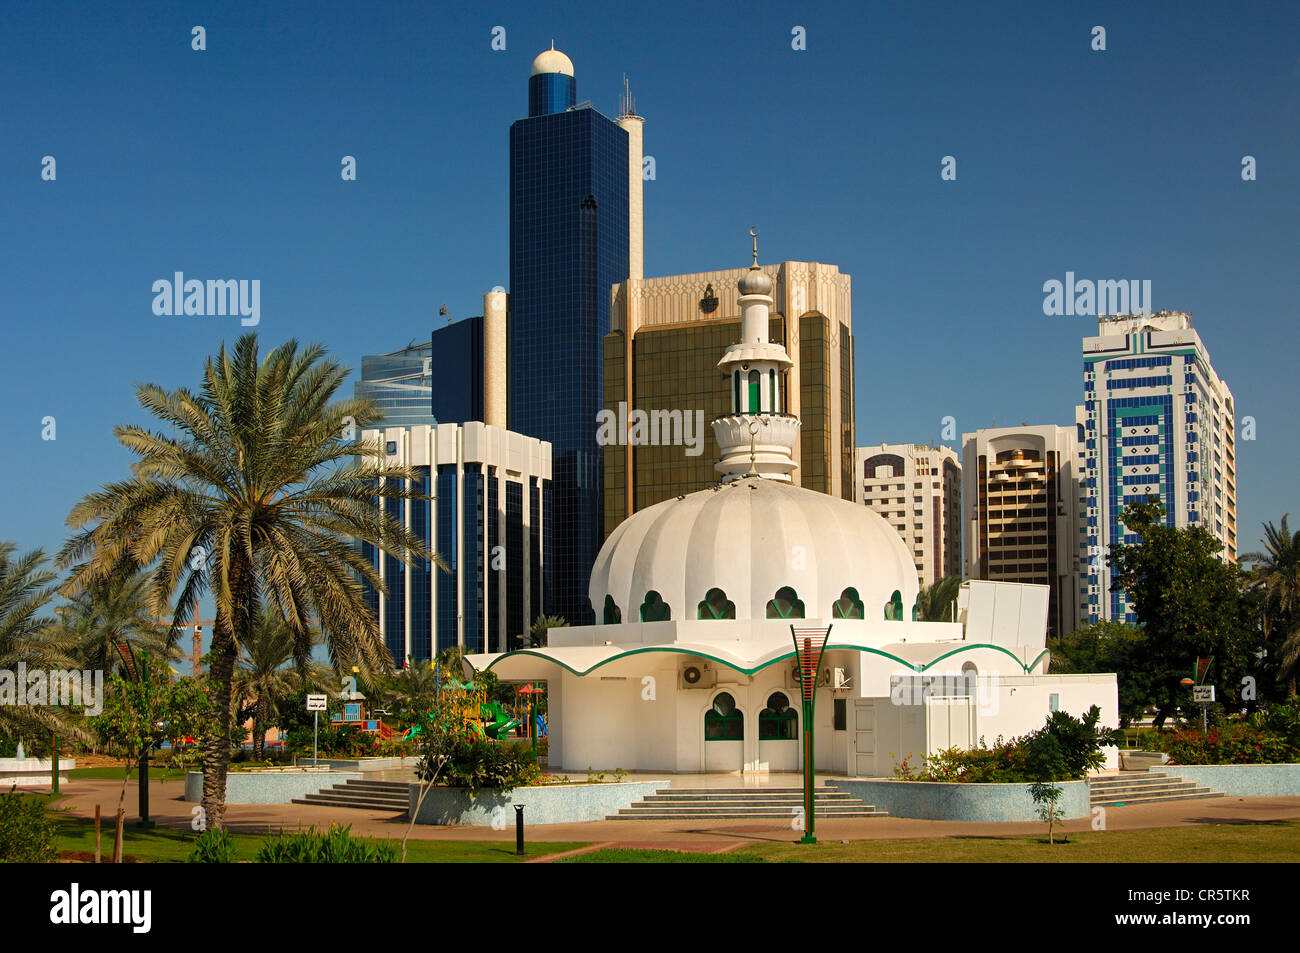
[1203, 694]
[316, 702]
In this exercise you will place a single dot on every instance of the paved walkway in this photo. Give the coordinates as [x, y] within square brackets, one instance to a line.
[172, 811]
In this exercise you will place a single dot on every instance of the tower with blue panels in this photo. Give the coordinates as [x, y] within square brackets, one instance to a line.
[1156, 422]
[569, 235]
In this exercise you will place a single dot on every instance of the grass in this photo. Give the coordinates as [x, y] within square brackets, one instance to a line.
[1264, 842]
[645, 856]
[161, 845]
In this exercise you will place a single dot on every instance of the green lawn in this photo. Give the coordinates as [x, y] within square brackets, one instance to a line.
[1268, 842]
[644, 856]
[158, 844]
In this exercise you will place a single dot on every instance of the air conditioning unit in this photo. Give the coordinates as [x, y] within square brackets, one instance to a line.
[697, 675]
[840, 679]
[792, 679]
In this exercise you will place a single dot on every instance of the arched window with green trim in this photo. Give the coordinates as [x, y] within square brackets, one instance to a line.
[847, 606]
[786, 604]
[754, 403]
[654, 609]
[716, 605]
[613, 614]
[778, 721]
[724, 721]
[894, 607]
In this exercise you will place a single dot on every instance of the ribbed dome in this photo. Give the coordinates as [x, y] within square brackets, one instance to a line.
[743, 538]
[754, 282]
[552, 61]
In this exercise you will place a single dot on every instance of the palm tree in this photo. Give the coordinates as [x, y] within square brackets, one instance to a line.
[106, 612]
[1277, 572]
[265, 674]
[29, 636]
[934, 602]
[256, 494]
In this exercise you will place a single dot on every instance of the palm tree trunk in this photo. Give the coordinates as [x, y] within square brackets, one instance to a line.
[216, 744]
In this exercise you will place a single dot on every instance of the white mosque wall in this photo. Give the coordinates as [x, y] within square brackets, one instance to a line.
[917, 721]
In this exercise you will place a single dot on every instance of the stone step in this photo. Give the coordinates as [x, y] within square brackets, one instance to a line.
[730, 814]
[1152, 799]
[1174, 787]
[369, 802]
[1137, 779]
[723, 798]
[394, 787]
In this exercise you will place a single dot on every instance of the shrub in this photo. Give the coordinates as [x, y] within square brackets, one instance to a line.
[499, 765]
[1269, 736]
[213, 847]
[26, 831]
[1064, 749]
[334, 846]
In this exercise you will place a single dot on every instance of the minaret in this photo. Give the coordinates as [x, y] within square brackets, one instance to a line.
[757, 438]
[632, 124]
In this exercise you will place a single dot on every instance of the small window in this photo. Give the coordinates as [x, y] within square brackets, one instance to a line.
[724, 721]
[716, 605]
[786, 604]
[778, 721]
[894, 607]
[613, 614]
[841, 714]
[654, 609]
[848, 605]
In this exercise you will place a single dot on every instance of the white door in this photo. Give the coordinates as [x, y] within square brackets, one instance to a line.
[864, 738]
[949, 722]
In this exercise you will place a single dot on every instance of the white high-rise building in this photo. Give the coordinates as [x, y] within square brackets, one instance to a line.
[917, 489]
[1157, 422]
[1021, 497]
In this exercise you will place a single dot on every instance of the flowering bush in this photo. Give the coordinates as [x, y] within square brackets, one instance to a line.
[1235, 743]
[1269, 736]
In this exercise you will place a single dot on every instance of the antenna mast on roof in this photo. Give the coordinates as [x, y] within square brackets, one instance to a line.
[626, 104]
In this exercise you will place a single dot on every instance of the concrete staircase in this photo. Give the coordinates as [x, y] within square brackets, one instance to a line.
[679, 804]
[1144, 788]
[369, 795]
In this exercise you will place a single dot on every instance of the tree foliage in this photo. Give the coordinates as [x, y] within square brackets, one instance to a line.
[1189, 606]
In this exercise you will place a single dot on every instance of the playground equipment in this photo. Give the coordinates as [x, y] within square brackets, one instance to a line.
[498, 722]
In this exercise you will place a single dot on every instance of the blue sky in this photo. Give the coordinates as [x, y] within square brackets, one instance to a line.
[225, 163]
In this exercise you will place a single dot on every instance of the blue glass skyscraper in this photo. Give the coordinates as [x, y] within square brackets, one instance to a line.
[569, 232]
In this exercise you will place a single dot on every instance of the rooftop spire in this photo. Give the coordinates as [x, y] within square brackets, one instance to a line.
[758, 431]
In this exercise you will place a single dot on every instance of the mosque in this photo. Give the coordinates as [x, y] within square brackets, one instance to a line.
[691, 669]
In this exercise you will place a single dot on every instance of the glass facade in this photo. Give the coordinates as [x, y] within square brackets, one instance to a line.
[568, 245]
[400, 384]
[485, 565]
[456, 392]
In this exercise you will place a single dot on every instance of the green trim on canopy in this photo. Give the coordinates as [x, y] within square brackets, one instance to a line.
[781, 658]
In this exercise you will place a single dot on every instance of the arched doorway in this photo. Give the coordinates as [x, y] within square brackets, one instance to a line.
[778, 734]
[724, 735]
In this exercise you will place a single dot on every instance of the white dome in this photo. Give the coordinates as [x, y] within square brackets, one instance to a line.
[751, 538]
[552, 61]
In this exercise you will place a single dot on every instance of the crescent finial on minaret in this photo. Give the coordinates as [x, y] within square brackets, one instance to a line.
[753, 231]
